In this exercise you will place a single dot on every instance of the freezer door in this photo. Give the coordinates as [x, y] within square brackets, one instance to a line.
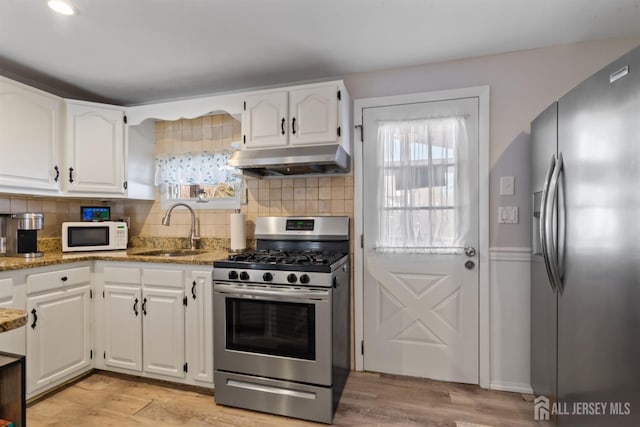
[544, 140]
[599, 307]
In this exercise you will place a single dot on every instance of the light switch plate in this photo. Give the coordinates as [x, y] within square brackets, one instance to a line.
[507, 215]
[507, 185]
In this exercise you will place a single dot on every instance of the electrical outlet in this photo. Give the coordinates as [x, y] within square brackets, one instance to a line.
[507, 215]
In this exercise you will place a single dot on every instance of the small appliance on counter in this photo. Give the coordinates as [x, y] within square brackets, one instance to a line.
[94, 236]
[22, 234]
[3, 234]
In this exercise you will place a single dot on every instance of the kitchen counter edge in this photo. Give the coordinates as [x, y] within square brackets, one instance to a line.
[131, 255]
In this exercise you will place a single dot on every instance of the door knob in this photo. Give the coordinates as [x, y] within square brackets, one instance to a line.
[469, 265]
[469, 251]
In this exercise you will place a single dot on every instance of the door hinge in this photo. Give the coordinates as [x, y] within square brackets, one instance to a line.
[90, 293]
[125, 120]
[91, 354]
[185, 301]
[339, 96]
[125, 185]
[339, 131]
[244, 107]
[362, 241]
[185, 367]
[362, 347]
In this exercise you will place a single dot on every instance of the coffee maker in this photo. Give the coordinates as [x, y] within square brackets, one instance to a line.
[22, 234]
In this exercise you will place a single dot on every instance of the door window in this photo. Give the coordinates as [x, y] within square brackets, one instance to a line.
[422, 200]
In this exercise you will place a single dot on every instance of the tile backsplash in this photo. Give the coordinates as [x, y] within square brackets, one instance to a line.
[325, 195]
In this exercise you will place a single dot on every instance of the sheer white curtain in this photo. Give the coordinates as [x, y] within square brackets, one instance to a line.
[423, 199]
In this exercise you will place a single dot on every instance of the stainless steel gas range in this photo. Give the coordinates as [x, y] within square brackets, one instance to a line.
[282, 319]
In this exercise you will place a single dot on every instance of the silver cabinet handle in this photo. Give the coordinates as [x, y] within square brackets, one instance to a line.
[551, 232]
[543, 220]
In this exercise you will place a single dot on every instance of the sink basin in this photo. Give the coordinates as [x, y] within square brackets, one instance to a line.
[171, 252]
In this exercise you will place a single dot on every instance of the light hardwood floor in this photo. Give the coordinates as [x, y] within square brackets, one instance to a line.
[105, 399]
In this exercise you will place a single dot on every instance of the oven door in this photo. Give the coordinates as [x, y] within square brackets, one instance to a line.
[278, 332]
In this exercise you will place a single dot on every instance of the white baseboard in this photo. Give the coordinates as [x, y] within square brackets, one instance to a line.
[513, 387]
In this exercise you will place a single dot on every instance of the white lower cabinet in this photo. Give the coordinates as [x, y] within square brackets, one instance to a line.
[199, 327]
[154, 322]
[59, 334]
[13, 294]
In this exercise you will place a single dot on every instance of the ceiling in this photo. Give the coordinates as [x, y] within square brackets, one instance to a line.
[139, 51]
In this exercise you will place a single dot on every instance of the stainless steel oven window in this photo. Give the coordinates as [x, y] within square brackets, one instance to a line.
[277, 328]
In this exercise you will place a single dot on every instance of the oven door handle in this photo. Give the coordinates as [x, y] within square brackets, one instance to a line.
[277, 295]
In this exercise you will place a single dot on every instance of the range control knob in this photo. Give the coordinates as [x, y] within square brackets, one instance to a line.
[267, 277]
[233, 275]
[244, 275]
[304, 278]
[291, 278]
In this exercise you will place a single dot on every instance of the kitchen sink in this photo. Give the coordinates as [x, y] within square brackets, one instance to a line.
[171, 252]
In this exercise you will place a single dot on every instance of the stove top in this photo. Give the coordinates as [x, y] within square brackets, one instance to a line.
[272, 259]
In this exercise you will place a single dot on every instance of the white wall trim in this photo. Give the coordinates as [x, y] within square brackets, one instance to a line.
[504, 253]
[513, 387]
[483, 94]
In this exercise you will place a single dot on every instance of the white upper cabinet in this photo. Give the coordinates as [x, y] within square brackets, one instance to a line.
[94, 149]
[313, 115]
[265, 120]
[298, 115]
[29, 139]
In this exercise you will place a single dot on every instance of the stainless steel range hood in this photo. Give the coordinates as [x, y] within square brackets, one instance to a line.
[277, 162]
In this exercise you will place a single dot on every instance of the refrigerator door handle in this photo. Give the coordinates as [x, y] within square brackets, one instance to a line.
[543, 220]
[551, 231]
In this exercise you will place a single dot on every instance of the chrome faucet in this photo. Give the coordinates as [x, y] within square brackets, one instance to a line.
[194, 235]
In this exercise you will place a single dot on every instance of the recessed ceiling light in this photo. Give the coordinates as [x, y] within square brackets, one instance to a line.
[61, 7]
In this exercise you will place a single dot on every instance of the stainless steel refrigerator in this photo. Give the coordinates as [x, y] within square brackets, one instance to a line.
[585, 269]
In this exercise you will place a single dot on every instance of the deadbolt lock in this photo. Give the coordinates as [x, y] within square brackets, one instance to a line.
[469, 265]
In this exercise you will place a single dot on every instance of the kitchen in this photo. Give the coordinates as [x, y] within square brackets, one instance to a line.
[518, 94]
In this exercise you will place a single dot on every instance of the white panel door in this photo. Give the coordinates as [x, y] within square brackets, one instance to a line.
[313, 115]
[264, 120]
[200, 326]
[29, 138]
[163, 331]
[123, 327]
[94, 149]
[420, 288]
[58, 336]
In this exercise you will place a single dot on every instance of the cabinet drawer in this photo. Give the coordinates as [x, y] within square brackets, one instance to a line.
[131, 276]
[58, 279]
[165, 278]
[6, 289]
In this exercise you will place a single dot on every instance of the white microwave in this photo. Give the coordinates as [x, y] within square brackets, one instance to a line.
[94, 236]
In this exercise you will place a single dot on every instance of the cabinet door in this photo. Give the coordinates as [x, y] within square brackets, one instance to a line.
[29, 138]
[313, 115]
[123, 327]
[199, 330]
[58, 336]
[264, 120]
[94, 147]
[163, 331]
[12, 296]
